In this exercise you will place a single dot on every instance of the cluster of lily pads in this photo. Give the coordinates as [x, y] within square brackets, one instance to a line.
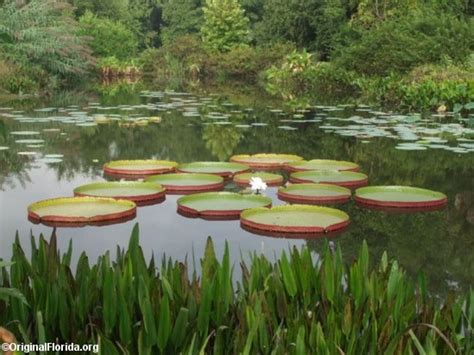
[444, 130]
[313, 182]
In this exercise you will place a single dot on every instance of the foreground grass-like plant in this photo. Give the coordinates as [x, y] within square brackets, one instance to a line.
[296, 305]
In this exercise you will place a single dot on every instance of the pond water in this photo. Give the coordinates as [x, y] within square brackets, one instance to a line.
[49, 148]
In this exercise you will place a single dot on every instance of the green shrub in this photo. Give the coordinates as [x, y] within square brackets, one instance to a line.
[299, 75]
[400, 44]
[225, 25]
[108, 38]
[292, 305]
[424, 88]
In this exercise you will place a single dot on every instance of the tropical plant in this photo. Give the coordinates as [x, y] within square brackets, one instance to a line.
[225, 25]
[40, 38]
[294, 305]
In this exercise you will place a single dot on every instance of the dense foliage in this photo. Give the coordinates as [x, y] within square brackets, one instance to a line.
[294, 305]
[370, 45]
[39, 41]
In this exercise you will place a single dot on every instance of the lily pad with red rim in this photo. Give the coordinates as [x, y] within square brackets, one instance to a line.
[219, 205]
[269, 178]
[224, 169]
[348, 179]
[81, 211]
[139, 168]
[265, 160]
[294, 220]
[314, 194]
[185, 183]
[322, 164]
[142, 193]
[400, 197]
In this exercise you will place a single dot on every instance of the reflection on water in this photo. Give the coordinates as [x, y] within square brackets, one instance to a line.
[79, 134]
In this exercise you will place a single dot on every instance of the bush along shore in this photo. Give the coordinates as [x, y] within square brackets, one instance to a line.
[400, 54]
[294, 305]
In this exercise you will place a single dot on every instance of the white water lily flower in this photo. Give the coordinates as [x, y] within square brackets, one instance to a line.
[257, 184]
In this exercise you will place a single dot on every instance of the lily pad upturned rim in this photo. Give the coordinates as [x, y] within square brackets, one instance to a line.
[167, 166]
[247, 159]
[270, 179]
[157, 191]
[129, 212]
[247, 223]
[300, 177]
[301, 165]
[227, 174]
[215, 182]
[284, 194]
[217, 213]
[439, 201]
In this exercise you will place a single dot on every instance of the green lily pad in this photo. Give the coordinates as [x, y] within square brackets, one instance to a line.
[322, 164]
[139, 167]
[349, 179]
[294, 220]
[224, 169]
[29, 141]
[220, 205]
[184, 183]
[269, 178]
[399, 197]
[79, 211]
[139, 192]
[314, 193]
[264, 160]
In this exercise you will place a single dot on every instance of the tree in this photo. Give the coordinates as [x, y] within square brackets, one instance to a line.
[180, 17]
[225, 25]
[41, 36]
[108, 37]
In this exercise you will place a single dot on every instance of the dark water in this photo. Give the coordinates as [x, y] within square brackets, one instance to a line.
[213, 127]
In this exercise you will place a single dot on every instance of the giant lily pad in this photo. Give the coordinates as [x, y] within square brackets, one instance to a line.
[185, 183]
[265, 161]
[139, 167]
[268, 178]
[294, 220]
[402, 197]
[322, 164]
[142, 193]
[342, 178]
[224, 169]
[220, 205]
[314, 194]
[81, 211]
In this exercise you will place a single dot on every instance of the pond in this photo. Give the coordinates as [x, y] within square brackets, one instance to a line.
[50, 147]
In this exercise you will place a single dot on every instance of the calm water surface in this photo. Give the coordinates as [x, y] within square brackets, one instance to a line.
[212, 127]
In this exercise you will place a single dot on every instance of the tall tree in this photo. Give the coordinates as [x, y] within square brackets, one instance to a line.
[180, 17]
[42, 35]
[225, 25]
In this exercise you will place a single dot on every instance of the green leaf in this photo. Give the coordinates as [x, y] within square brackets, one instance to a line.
[288, 276]
[164, 325]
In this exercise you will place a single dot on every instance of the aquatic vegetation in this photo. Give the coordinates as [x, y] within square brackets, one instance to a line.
[318, 305]
[219, 205]
[81, 211]
[400, 197]
[294, 221]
